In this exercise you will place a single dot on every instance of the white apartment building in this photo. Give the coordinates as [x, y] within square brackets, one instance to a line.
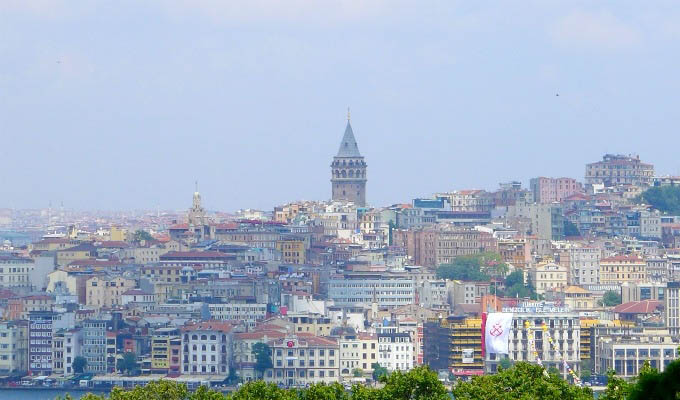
[626, 355]
[563, 327]
[207, 348]
[249, 313]
[388, 290]
[395, 351]
[583, 265]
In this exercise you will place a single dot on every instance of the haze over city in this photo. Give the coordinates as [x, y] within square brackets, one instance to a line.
[124, 105]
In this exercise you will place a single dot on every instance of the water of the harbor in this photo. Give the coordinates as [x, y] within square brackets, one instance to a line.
[39, 394]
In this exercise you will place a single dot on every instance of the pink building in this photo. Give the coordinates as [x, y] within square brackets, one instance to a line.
[548, 190]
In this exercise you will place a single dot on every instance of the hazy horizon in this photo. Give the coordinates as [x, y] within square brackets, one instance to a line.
[123, 105]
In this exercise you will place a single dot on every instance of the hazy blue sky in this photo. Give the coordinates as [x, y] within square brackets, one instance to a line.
[123, 104]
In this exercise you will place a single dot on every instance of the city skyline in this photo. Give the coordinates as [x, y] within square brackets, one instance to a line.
[450, 97]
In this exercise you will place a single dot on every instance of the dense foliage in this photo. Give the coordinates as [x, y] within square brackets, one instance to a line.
[663, 198]
[476, 267]
[142, 235]
[570, 229]
[127, 364]
[79, 364]
[611, 299]
[263, 357]
[521, 381]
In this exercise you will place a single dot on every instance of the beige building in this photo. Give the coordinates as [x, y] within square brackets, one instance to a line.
[107, 291]
[315, 324]
[13, 347]
[15, 271]
[621, 269]
[358, 353]
[574, 297]
[548, 276]
[302, 360]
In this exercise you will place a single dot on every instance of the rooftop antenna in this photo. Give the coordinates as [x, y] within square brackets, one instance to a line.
[348, 114]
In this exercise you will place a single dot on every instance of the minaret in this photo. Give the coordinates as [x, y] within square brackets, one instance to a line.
[348, 170]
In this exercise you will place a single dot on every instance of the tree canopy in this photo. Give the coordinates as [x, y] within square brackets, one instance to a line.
[142, 235]
[263, 357]
[521, 381]
[476, 267]
[79, 364]
[611, 298]
[128, 363]
[663, 198]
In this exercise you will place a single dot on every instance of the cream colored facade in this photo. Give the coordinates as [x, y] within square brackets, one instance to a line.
[311, 323]
[621, 269]
[14, 272]
[106, 291]
[548, 276]
[13, 347]
[62, 278]
[358, 353]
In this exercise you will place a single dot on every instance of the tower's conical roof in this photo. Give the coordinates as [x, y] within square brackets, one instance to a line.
[348, 146]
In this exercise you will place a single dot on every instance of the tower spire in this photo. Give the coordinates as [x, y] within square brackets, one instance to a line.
[348, 114]
[196, 182]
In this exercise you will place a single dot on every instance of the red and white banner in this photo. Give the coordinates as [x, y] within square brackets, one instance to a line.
[497, 332]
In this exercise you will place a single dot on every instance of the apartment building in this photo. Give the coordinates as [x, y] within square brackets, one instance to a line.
[166, 347]
[618, 169]
[548, 190]
[621, 269]
[395, 351]
[387, 290]
[15, 271]
[300, 360]
[13, 347]
[250, 313]
[207, 347]
[40, 342]
[563, 326]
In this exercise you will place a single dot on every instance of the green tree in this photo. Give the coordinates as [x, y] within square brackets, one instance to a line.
[522, 381]
[570, 229]
[552, 370]
[357, 372]
[663, 198]
[142, 235]
[505, 363]
[617, 388]
[611, 298]
[476, 267]
[263, 357]
[586, 369]
[259, 390]
[420, 383]
[79, 364]
[378, 371]
[654, 385]
[128, 363]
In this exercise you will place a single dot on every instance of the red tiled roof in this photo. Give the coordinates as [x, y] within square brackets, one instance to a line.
[638, 307]
[214, 325]
[270, 334]
[179, 226]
